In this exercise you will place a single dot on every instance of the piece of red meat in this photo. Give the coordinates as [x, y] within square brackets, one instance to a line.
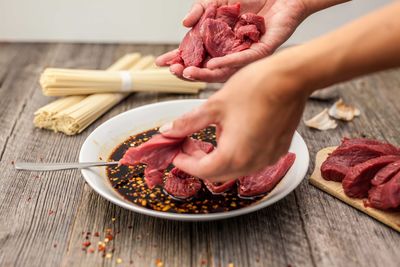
[157, 154]
[352, 152]
[181, 185]
[218, 38]
[251, 19]
[386, 173]
[357, 181]
[265, 180]
[219, 188]
[387, 195]
[228, 14]
[248, 32]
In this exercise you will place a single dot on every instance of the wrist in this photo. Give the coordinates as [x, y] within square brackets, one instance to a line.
[313, 6]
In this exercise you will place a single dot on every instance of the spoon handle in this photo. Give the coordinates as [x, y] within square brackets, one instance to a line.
[29, 166]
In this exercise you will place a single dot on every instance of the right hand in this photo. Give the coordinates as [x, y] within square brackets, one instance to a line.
[281, 18]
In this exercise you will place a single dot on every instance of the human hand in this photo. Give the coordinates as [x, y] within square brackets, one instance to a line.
[255, 116]
[281, 18]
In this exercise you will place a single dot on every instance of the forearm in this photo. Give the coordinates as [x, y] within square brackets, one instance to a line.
[366, 45]
[313, 6]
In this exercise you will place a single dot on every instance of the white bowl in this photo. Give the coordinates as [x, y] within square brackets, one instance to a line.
[101, 142]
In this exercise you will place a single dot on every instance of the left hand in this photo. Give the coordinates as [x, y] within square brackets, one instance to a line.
[281, 18]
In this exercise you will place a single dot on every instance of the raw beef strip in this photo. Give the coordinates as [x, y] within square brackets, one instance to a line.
[181, 185]
[248, 32]
[218, 38]
[157, 154]
[387, 195]
[265, 180]
[352, 152]
[219, 188]
[386, 173]
[251, 19]
[228, 14]
[357, 181]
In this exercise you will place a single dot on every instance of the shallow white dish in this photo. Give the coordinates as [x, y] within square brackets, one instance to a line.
[101, 142]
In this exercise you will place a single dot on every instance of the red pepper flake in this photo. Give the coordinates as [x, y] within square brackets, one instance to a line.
[12, 162]
[101, 246]
[29, 199]
[51, 212]
[109, 237]
[96, 234]
[108, 230]
[86, 243]
[88, 233]
[37, 177]
[159, 263]
[91, 250]
[203, 262]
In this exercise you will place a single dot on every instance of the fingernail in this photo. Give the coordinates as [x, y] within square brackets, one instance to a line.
[187, 77]
[166, 127]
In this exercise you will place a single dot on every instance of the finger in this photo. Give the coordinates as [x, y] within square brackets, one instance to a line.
[163, 59]
[239, 59]
[177, 69]
[208, 75]
[199, 118]
[193, 16]
[208, 167]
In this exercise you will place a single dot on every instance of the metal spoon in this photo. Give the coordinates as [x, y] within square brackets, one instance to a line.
[28, 166]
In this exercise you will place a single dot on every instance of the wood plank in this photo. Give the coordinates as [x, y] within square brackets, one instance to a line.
[335, 189]
[38, 209]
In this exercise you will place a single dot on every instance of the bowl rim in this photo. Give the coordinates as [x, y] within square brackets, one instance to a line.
[86, 173]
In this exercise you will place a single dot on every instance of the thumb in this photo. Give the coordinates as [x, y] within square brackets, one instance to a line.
[193, 16]
[197, 119]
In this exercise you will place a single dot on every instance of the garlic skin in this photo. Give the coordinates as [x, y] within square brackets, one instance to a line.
[321, 121]
[342, 111]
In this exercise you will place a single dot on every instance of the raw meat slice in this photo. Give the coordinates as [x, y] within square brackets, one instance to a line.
[386, 173]
[157, 154]
[228, 14]
[219, 188]
[181, 185]
[248, 32]
[218, 38]
[387, 195]
[357, 181]
[352, 152]
[265, 180]
[192, 51]
[251, 19]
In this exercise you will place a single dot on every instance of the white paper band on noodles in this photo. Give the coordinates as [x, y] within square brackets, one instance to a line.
[126, 80]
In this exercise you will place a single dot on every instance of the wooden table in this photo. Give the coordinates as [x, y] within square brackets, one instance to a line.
[45, 218]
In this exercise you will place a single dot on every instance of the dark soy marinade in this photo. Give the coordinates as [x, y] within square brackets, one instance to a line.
[129, 182]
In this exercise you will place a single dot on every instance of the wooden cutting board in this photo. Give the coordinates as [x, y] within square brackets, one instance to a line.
[335, 189]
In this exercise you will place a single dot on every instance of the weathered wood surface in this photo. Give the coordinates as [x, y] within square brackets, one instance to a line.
[42, 217]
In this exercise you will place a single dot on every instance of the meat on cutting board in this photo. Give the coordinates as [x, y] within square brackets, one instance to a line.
[386, 173]
[219, 32]
[352, 152]
[265, 180]
[357, 181]
[387, 195]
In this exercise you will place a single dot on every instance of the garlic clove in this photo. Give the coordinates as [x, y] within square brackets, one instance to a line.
[340, 110]
[321, 121]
